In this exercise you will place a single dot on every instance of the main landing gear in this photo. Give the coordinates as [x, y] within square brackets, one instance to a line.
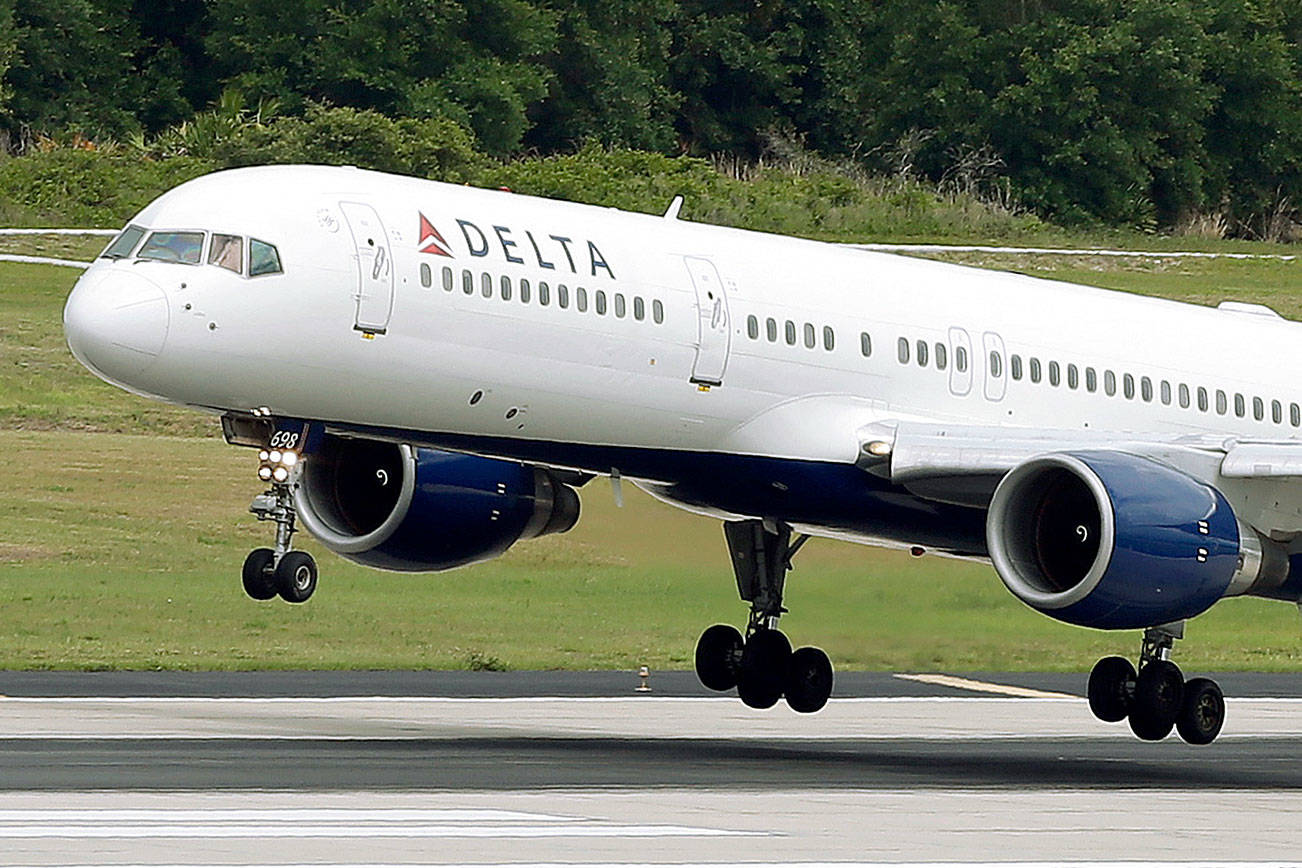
[268, 572]
[762, 665]
[1157, 698]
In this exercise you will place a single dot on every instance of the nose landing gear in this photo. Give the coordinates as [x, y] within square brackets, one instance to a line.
[268, 572]
[762, 665]
[1157, 698]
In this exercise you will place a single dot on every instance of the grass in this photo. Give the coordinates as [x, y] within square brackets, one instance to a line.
[120, 547]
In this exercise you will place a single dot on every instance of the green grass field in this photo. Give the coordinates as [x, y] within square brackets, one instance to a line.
[124, 526]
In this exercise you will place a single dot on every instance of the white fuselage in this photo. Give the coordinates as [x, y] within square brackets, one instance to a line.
[712, 342]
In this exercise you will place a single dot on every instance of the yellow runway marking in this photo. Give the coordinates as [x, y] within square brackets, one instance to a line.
[983, 686]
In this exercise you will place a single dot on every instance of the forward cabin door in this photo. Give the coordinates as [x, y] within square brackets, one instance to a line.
[374, 267]
[713, 332]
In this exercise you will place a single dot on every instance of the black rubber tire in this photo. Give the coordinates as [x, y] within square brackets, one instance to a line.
[1147, 727]
[763, 673]
[296, 577]
[718, 656]
[1159, 691]
[1203, 713]
[1112, 680]
[258, 580]
[809, 680]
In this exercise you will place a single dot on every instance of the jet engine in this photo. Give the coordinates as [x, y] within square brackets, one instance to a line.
[1118, 541]
[397, 507]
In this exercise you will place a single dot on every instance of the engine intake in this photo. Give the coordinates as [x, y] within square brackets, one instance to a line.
[1113, 540]
[422, 510]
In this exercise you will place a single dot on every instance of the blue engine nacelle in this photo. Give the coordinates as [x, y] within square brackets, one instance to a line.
[1113, 540]
[420, 510]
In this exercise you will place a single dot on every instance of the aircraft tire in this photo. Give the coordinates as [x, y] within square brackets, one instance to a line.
[1203, 714]
[764, 663]
[296, 577]
[809, 680]
[1111, 681]
[258, 580]
[718, 655]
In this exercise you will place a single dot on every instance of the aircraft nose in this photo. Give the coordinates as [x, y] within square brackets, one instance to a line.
[116, 323]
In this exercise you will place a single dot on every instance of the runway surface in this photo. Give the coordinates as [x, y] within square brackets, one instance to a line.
[539, 768]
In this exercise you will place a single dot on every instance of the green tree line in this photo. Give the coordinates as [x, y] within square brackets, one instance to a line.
[1133, 112]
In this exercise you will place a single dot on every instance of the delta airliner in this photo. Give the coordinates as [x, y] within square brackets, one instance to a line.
[429, 372]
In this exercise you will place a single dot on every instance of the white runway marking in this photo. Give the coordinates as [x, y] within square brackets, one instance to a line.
[1060, 251]
[328, 823]
[42, 260]
[982, 686]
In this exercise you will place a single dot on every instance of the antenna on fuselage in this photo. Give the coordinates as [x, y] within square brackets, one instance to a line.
[674, 207]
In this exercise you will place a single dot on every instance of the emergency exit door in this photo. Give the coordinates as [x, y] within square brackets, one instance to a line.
[714, 333]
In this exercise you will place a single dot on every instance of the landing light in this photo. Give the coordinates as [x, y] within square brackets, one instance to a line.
[263, 455]
[879, 448]
[289, 459]
[264, 473]
[280, 474]
[275, 456]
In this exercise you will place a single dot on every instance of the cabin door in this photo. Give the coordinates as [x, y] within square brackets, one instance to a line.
[713, 330]
[374, 268]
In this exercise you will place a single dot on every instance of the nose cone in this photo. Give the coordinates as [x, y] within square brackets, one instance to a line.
[116, 323]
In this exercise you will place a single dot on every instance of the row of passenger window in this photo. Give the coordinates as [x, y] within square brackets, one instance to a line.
[507, 288]
[1145, 389]
[791, 333]
[925, 354]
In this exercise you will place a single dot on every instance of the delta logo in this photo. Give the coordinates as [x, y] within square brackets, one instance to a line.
[549, 251]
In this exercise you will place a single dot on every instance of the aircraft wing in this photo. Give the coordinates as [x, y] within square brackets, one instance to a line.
[964, 463]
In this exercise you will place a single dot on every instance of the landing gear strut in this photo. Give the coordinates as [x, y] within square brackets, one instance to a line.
[1157, 698]
[268, 572]
[762, 665]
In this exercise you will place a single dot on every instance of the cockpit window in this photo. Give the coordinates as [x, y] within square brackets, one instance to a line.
[121, 247]
[227, 252]
[184, 247]
[263, 258]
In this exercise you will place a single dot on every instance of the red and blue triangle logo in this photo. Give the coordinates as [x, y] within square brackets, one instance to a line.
[430, 239]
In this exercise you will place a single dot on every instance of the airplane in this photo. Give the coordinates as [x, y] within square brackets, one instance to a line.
[429, 372]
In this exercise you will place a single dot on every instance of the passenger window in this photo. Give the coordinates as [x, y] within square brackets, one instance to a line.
[1184, 396]
[1166, 392]
[1109, 383]
[504, 290]
[639, 313]
[126, 242]
[809, 335]
[620, 309]
[960, 359]
[996, 365]
[1222, 404]
[263, 258]
[601, 302]
[771, 330]
[1073, 377]
[228, 252]
[1128, 386]
[544, 293]
[902, 351]
[829, 338]
[791, 333]
[1277, 412]
[447, 279]
[562, 296]
[1295, 415]
[184, 247]
[1091, 380]
[922, 353]
[1015, 366]
[581, 299]
[1055, 375]
[942, 356]
[752, 326]
[524, 291]
[1202, 399]
[1146, 388]
[467, 283]
[486, 284]
[1240, 409]
[1035, 370]
[426, 276]
[657, 311]
[1258, 409]
[865, 344]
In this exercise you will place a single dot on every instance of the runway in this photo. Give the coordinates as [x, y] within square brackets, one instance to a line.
[470, 768]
